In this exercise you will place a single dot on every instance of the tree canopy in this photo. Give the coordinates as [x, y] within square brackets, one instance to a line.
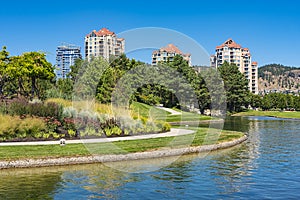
[236, 86]
[23, 74]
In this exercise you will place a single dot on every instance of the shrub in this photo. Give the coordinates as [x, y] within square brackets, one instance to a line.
[31, 126]
[163, 126]
[52, 124]
[69, 112]
[17, 107]
[116, 130]
[108, 131]
[89, 131]
[14, 127]
[3, 107]
[71, 133]
[69, 124]
[59, 101]
[9, 126]
[22, 107]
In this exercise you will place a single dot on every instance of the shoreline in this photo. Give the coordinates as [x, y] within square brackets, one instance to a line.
[46, 162]
[213, 121]
[266, 114]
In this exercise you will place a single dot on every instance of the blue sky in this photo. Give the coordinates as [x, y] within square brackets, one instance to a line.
[270, 29]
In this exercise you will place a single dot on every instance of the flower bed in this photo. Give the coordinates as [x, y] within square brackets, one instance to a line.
[28, 121]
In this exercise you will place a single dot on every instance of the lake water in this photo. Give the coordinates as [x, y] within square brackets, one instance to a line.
[267, 166]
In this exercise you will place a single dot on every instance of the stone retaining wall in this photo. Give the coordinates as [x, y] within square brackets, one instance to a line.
[25, 163]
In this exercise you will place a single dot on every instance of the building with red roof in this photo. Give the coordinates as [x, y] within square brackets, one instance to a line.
[167, 53]
[103, 43]
[232, 52]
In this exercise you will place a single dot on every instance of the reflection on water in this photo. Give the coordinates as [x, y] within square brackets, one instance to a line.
[265, 167]
[27, 184]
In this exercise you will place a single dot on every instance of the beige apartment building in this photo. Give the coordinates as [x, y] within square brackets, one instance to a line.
[232, 52]
[167, 53]
[103, 43]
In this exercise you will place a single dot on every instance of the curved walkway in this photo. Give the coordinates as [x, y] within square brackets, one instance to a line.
[173, 132]
[171, 111]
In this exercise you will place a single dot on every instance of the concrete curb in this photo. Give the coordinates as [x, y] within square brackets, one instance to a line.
[26, 163]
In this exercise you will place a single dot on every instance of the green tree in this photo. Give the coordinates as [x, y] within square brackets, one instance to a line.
[213, 95]
[62, 88]
[75, 69]
[4, 59]
[255, 100]
[290, 101]
[117, 68]
[88, 77]
[107, 84]
[266, 102]
[27, 70]
[297, 103]
[17, 72]
[37, 67]
[194, 81]
[236, 86]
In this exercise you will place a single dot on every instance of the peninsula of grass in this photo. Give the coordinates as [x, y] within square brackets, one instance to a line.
[278, 114]
[202, 136]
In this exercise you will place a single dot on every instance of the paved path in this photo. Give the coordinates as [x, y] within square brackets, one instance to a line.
[173, 112]
[173, 132]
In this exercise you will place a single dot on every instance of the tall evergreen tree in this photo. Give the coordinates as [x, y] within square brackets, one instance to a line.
[236, 86]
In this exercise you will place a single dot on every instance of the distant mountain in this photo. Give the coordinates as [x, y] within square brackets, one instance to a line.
[279, 78]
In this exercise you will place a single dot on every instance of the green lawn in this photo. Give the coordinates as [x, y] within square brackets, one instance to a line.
[270, 114]
[159, 114]
[187, 116]
[146, 110]
[202, 136]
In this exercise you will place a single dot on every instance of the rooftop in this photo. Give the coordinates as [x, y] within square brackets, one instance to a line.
[171, 48]
[101, 32]
[229, 43]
